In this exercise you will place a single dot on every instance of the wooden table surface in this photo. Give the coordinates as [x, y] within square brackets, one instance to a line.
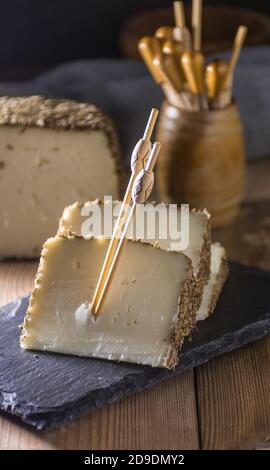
[224, 404]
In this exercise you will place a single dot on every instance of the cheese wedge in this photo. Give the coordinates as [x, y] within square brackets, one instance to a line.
[218, 274]
[52, 152]
[198, 249]
[150, 307]
[154, 301]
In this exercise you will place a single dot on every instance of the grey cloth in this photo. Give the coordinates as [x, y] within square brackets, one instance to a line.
[125, 91]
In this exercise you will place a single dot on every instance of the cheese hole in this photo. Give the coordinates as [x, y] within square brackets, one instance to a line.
[116, 317]
[43, 162]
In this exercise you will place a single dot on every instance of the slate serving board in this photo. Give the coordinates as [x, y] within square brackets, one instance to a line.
[46, 390]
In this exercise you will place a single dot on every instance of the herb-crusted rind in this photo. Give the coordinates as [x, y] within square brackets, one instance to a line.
[39, 111]
[203, 272]
[188, 304]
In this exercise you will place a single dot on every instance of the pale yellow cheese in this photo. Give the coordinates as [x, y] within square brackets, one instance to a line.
[213, 288]
[52, 153]
[139, 315]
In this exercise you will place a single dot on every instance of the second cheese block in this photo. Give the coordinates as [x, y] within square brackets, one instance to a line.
[150, 307]
[218, 274]
[52, 152]
[198, 249]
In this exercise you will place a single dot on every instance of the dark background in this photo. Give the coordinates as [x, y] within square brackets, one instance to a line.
[38, 34]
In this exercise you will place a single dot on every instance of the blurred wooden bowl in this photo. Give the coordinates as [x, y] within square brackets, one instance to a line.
[219, 28]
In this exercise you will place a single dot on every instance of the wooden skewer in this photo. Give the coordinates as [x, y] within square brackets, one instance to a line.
[149, 129]
[179, 15]
[197, 24]
[140, 192]
[181, 32]
[172, 51]
[237, 46]
[222, 100]
[165, 76]
[138, 161]
[175, 94]
[150, 47]
[172, 84]
[173, 48]
[224, 95]
[163, 33]
[168, 65]
[215, 74]
[193, 67]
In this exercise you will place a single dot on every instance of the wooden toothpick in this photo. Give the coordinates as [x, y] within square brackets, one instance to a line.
[138, 162]
[224, 93]
[237, 46]
[141, 190]
[193, 66]
[181, 32]
[179, 14]
[215, 74]
[150, 47]
[197, 24]
[214, 77]
[170, 72]
[164, 33]
[148, 130]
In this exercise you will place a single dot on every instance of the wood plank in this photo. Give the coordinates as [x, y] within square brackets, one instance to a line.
[15, 436]
[234, 398]
[162, 417]
[16, 279]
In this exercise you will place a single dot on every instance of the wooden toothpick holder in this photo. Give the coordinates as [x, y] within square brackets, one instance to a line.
[202, 160]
